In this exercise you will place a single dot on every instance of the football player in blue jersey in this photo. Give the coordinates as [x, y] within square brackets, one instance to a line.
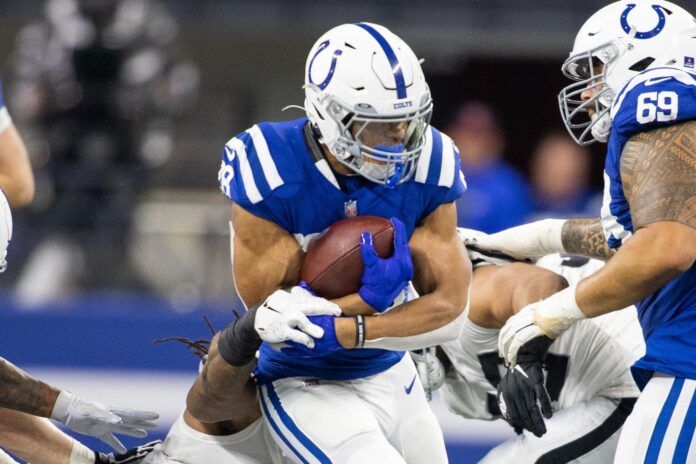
[365, 148]
[636, 90]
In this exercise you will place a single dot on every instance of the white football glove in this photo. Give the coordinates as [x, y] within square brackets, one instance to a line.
[283, 316]
[549, 317]
[532, 240]
[5, 229]
[101, 421]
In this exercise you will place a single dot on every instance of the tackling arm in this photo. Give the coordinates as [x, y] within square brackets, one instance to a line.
[265, 258]
[442, 275]
[540, 238]
[223, 392]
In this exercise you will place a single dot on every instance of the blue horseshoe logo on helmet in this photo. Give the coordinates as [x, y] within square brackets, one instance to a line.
[322, 85]
[646, 34]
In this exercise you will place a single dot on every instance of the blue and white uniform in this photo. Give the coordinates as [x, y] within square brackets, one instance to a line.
[665, 415]
[276, 171]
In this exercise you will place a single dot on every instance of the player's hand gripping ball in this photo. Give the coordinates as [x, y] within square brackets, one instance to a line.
[383, 279]
[333, 265]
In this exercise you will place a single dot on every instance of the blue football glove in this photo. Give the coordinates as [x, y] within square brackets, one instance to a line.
[384, 279]
[326, 345]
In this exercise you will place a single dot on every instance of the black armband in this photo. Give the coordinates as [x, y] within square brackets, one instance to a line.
[239, 341]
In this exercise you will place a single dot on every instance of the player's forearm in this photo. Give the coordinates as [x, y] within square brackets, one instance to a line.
[352, 305]
[585, 237]
[642, 265]
[430, 320]
[21, 392]
[221, 392]
[33, 439]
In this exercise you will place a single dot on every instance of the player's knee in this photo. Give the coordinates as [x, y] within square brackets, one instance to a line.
[369, 448]
[421, 440]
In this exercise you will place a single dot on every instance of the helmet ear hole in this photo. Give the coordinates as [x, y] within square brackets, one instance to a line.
[643, 64]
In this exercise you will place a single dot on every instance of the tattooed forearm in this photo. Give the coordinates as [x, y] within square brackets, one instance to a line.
[21, 392]
[585, 237]
[658, 172]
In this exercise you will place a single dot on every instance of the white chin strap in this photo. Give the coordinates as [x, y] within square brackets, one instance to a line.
[601, 127]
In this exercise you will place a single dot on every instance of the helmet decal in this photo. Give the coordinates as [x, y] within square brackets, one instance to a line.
[322, 85]
[391, 56]
[661, 19]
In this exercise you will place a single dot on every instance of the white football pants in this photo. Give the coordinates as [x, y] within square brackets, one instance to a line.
[585, 433]
[661, 427]
[383, 419]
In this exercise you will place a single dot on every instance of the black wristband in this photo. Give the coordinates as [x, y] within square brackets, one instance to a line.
[239, 341]
[360, 331]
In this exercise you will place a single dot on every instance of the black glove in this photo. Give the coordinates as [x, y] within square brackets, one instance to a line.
[522, 395]
[133, 455]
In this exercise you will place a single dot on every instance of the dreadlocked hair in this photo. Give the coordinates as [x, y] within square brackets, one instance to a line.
[198, 347]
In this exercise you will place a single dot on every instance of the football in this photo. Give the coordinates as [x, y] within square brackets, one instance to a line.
[333, 265]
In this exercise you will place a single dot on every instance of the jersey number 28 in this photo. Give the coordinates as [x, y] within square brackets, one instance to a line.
[660, 106]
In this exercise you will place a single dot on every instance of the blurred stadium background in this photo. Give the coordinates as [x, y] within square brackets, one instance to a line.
[125, 106]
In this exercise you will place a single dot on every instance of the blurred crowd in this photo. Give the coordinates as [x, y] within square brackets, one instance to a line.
[500, 196]
[99, 91]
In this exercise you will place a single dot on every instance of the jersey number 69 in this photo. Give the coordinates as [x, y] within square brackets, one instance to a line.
[660, 106]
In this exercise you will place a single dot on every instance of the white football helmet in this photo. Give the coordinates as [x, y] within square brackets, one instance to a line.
[616, 43]
[5, 229]
[363, 77]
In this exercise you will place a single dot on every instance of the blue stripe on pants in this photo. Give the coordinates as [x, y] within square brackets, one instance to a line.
[662, 423]
[681, 452]
[275, 427]
[290, 425]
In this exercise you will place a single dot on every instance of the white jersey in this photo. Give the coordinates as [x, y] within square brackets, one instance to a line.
[591, 358]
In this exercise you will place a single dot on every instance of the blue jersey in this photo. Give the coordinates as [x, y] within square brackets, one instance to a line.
[276, 171]
[655, 98]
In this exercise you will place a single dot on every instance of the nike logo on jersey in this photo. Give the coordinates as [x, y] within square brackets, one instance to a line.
[650, 82]
[410, 386]
[592, 34]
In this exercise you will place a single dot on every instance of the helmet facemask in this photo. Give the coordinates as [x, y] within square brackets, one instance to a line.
[388, 165]
[586, 128]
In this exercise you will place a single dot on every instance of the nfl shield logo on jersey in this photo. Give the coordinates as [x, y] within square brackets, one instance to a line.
[689, 62]
[351, 208]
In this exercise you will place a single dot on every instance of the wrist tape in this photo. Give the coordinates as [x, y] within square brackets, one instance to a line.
[239, 341]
